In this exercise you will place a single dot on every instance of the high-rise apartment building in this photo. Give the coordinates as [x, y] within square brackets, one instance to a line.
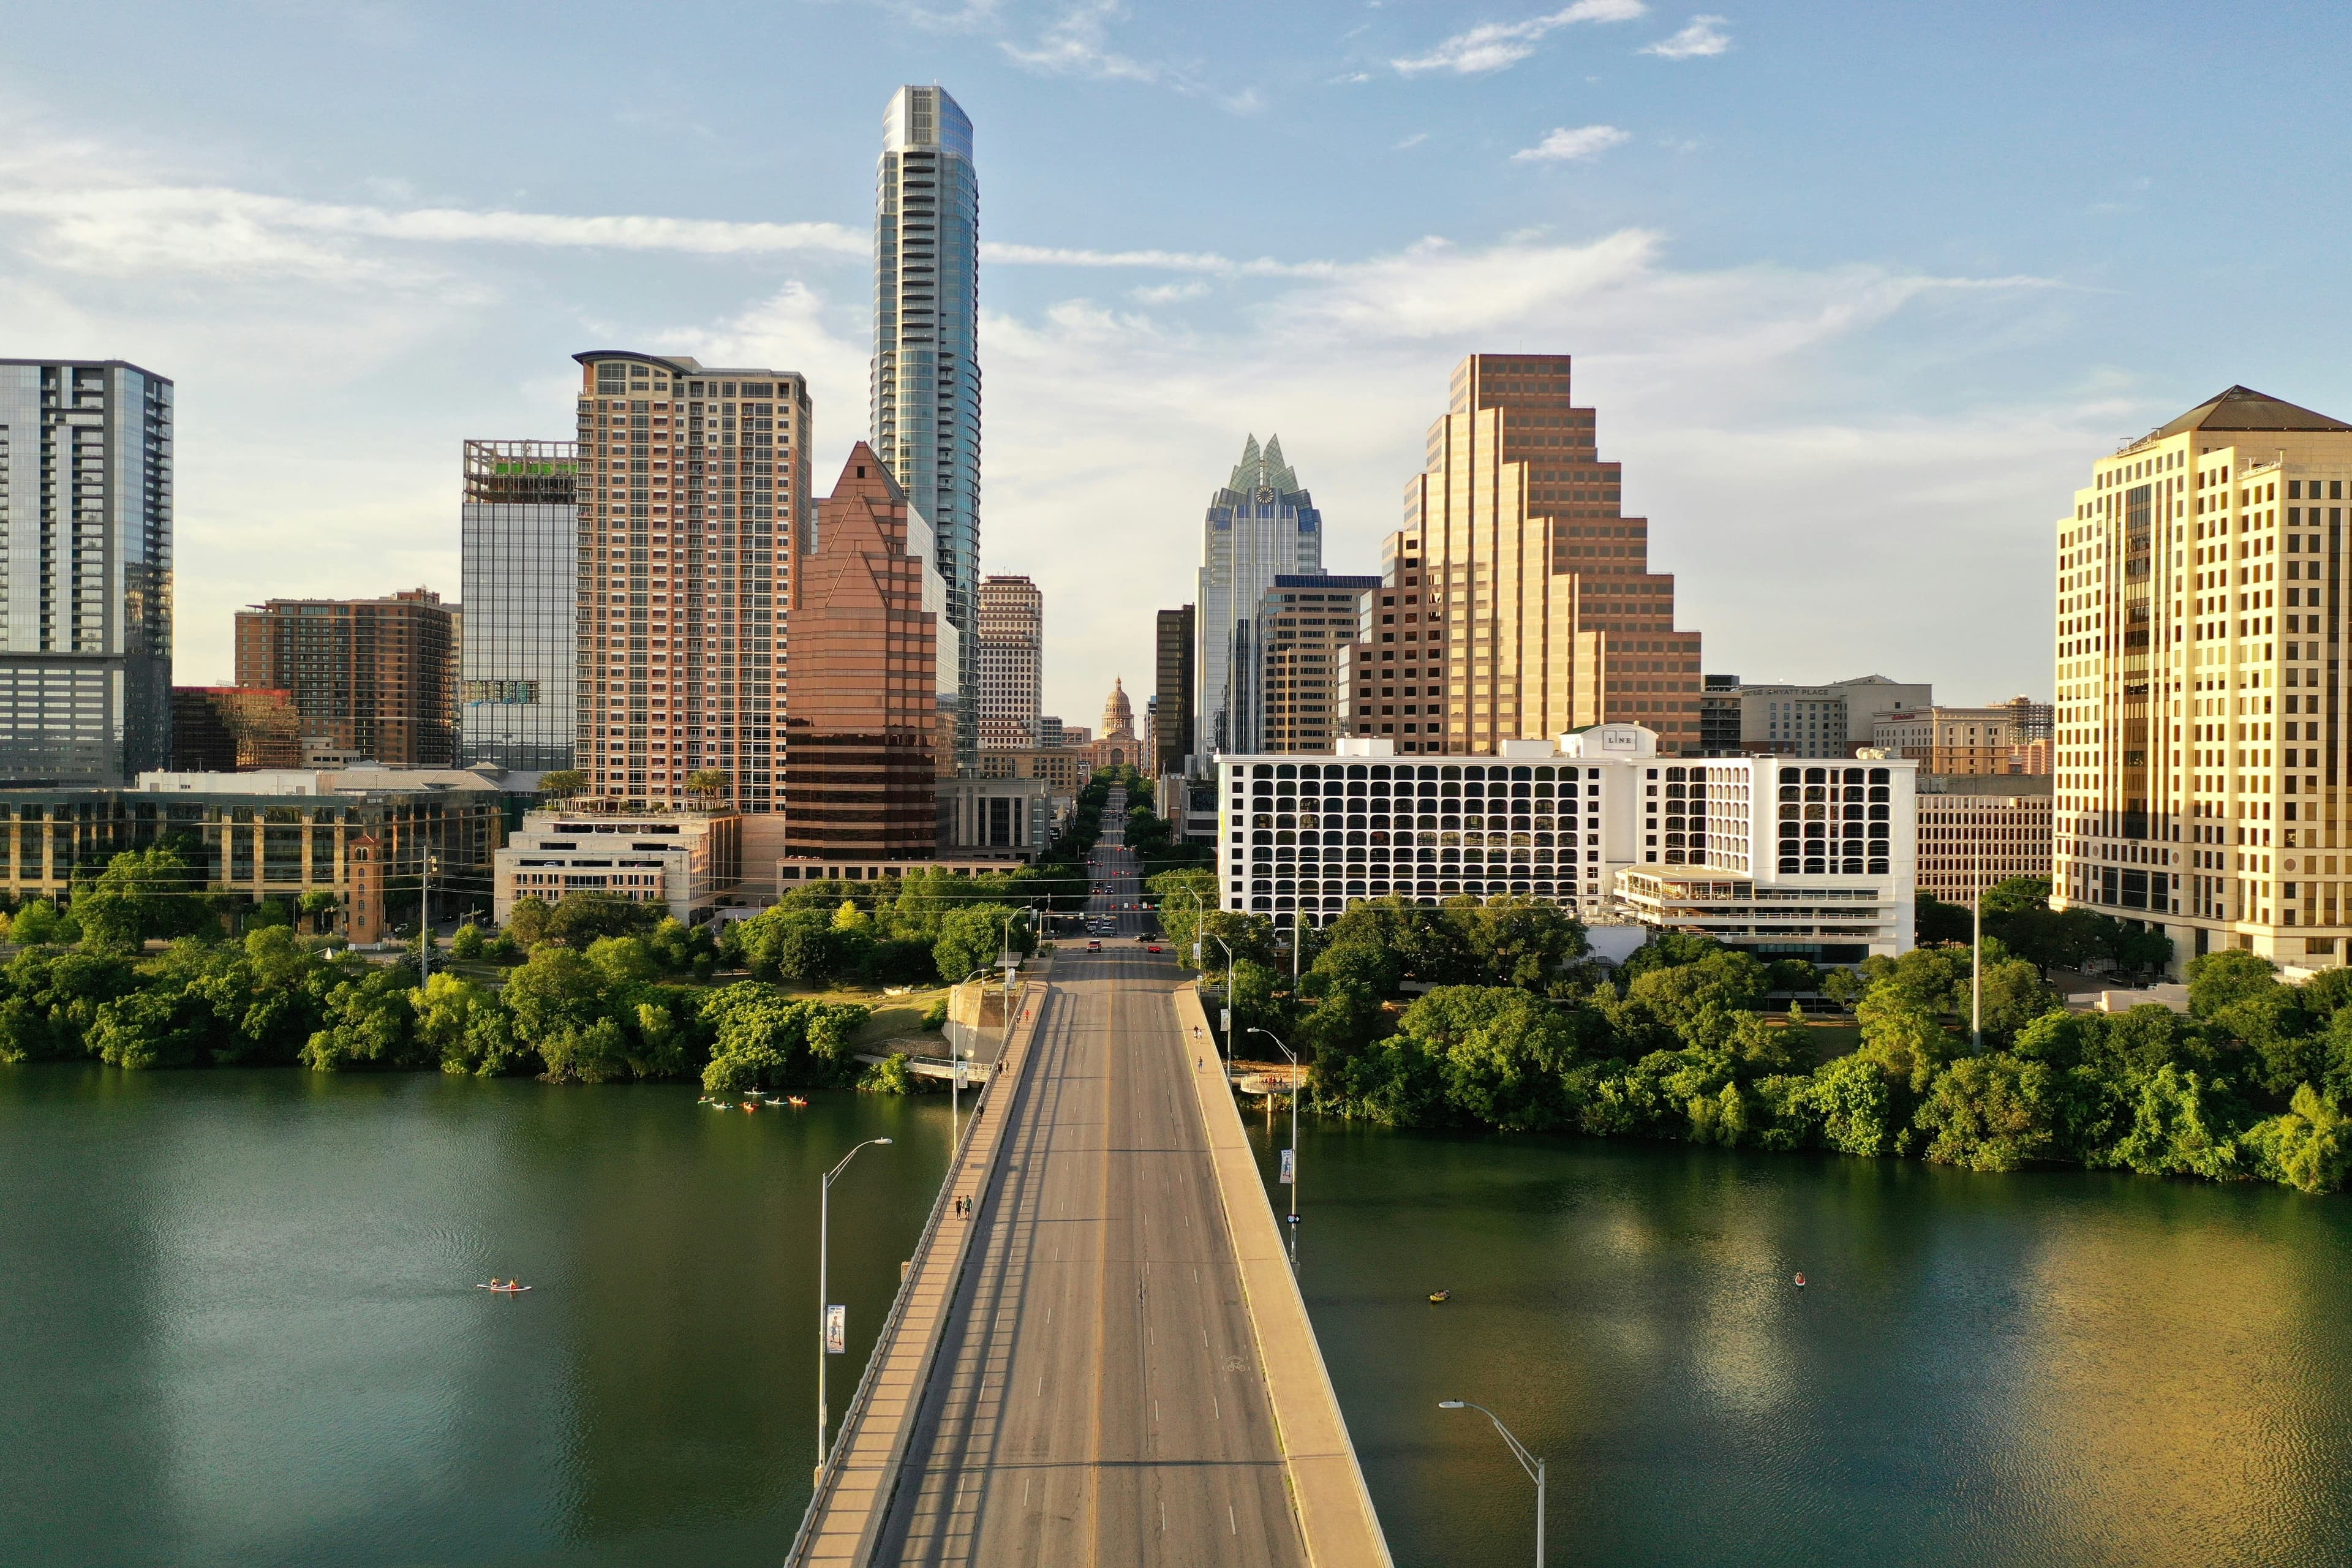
[1306, 626]
[519, 553]
[1831, 720]
[926, 370]
[234, 730]
[1262, 525]
[1011, 636]
[1392, 679]
[865, 717]
[373, 678]
[85, 572]
[693, 498]
[1172, 700]
[1549, 614]
[2200, 687]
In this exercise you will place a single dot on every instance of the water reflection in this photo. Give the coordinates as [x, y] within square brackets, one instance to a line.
[2055, 1368]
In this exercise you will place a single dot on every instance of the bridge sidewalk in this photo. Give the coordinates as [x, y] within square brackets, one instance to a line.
[1326, 1486]
[853, 1494]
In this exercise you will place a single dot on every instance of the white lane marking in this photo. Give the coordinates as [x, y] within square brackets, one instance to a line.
[1204, 1338]
[1215, 1413]
[1231, 1521]
[1155, 1413]
[1025, 1489]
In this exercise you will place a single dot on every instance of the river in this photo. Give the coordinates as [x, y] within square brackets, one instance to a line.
[239, 1328]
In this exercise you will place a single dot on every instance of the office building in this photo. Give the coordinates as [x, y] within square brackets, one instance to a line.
[1306, 628]
[1784, 857]
[693, 500]
[1263, 524]
[278, 834]
[1975, 831]
[865, 722]
[1547, 614]
[1012, 817]
[1834, 719]
[681, 861]
[926, 370]
[2200, 757]
[1011, 636]
[1995, 740]
[519, 553]
[233, 730]
[1719, 716]
[1171, 701]
[374, 678]
[1065, 768]
[1392, 679]
[85, 571]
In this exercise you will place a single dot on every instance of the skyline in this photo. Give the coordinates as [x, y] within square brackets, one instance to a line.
[1764, 344]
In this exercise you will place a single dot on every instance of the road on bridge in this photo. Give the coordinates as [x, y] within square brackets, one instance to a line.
[1115, 874]
[1099, 1399]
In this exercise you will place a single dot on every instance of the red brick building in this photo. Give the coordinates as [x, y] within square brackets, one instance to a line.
[374, 678]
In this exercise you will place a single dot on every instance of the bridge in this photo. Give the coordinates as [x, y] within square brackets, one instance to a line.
[1108, 1362]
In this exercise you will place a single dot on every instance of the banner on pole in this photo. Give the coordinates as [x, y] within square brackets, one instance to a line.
[963, 1073]
[1225, 1020]
[836, 1330]
[1289, 1167]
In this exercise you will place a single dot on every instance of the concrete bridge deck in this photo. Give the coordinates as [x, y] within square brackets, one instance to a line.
[1109, 1363]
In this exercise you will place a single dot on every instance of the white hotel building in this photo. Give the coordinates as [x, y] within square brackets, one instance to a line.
[1803, 857]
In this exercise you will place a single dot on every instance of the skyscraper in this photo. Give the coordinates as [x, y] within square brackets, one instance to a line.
[374, 678]
[1011, 639]
[1542, 592]
[864, 723]
[693, 486]
[1171, 702]
[1262, 525]
[518, 558]
[1306, 628]
[2201, 746]
[926, 370]
[85, 572]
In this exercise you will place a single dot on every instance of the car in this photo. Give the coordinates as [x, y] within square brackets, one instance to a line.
[1094, 947]
[1155, 947]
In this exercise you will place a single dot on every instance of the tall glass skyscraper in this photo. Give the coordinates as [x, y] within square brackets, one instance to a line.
[1262, 525]
[85, 572]
[926, 370]
[518, 558]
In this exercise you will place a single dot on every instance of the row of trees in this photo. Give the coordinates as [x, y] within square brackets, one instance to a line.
[2017, 913]
[592, 1017]
[1490, 1014]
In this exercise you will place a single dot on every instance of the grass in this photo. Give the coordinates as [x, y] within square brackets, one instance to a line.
[894, 1017]
[1830, 1037]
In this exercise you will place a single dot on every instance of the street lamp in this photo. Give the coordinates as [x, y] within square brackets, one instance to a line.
[824, 1307]
[1291, 1177]
[1528, 1462]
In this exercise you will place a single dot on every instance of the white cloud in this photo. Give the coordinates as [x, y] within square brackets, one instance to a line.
[1704, 37]
[1564, 145]
[1169, 293]
[1415, 139]
[1497, 46]
[1077, 44]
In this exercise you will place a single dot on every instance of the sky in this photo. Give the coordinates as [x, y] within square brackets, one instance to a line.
[1859, 292]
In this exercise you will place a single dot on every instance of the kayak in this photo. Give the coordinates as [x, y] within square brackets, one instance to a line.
[1437, 1296]
[504, 1289]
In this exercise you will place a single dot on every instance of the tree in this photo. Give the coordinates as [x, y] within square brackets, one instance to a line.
[972, 938]
[142, 893]
[39, 925]
[562, 783]
[2307, 1148]
[1724, 980]
[1901, 1039]
[581, 918]
[1992, 1112]
[622, 960]
[709, 785]
[367, 1022]
[1516, 942]
[464, 1025]
[1934, 922]
[467, 944]
[2219, 980]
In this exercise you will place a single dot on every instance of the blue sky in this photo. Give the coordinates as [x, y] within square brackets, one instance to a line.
[1859, 291]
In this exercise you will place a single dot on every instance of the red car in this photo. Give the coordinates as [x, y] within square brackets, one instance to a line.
[1094, 947]
[1155, 947]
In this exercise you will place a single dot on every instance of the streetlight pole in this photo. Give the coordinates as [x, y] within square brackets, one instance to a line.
[824, 1307]
[1975, 948]
[1528, 1462]
[425, 920]
[1296, 1086]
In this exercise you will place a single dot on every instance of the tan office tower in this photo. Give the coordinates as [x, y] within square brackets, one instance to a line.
[693, 491]
[1546, 608]
[2199, 743]
[1012, 640]
[1306, 625]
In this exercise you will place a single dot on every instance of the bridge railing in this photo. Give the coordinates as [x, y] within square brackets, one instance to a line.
[829, 1476]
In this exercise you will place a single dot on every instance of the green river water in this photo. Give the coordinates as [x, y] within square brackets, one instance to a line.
[239, 1329]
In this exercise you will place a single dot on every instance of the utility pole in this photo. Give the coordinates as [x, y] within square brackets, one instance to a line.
[425, 920]
[1976, 947]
